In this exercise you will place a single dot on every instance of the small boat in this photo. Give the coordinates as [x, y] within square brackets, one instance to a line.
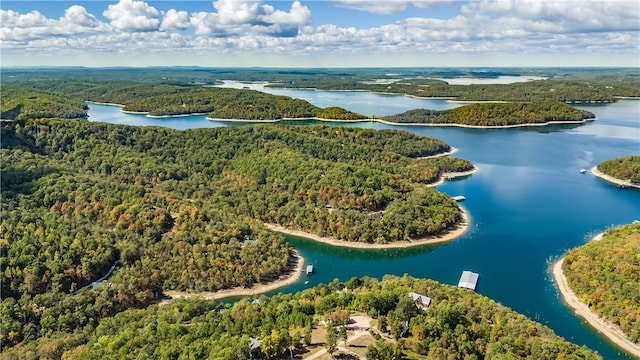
[459, 198]
[583, 171]
[307, 282]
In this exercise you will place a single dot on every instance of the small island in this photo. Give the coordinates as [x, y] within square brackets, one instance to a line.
[600, 281]
[624, 171]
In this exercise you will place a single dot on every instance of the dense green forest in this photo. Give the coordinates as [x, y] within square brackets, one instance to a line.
[21, 102]
[571, 92]
[65, 99]
[495, 114]
[605, 274]
[185, 210]
[459, 324]
[624, 168]
[573, 86]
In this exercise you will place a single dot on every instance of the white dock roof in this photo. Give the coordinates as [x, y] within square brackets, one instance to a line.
[468, 280]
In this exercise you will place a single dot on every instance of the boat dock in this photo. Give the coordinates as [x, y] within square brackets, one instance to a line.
[309, 269]
[468, 280]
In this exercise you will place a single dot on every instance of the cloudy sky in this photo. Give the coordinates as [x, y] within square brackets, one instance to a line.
[321, 33]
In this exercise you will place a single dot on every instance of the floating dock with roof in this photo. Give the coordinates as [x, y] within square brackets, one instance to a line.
[468, 280]
[309, 269]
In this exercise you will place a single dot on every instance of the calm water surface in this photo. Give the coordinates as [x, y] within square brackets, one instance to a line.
[528, 202]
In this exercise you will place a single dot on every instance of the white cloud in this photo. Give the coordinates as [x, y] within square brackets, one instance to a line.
[374, 6]
[18, 28]
[175, 20]
[240, 17]
[567, 15]
[389, 7]
[130, 15]
[78, 15]
[570, 30]
[12, 19]
[298, 15]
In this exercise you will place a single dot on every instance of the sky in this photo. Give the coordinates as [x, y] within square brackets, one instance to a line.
[321, 33]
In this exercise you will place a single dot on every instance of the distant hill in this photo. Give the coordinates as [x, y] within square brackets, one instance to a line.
[496, 114]
[65, 99]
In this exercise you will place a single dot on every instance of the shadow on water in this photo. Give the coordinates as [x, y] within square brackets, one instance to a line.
[547, 129]
[459, 178]
[551, 128]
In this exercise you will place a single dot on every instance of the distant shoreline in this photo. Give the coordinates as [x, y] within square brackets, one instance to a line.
[610, 330]
[349, 121]
[583, 121]
[290, 278]
[612, 179]
[458, 231]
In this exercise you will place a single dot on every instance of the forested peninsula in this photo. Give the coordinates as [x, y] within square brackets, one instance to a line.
[185, 210]
[605, 275]
[66, 99]
[25, 100]
[457, 324]
[496, 114]
[623, 171]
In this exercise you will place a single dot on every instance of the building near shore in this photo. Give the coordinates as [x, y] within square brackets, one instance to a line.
[468, 280]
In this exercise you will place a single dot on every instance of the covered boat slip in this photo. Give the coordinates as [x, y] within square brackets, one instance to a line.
[468, 280]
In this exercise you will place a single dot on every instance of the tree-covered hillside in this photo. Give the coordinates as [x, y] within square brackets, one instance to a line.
[605, 274]
[21, 102]
[624, 168]
[496, 114]
[458, 324]
[185, 210]
[27, 99]
[65, 99]
[567, 91]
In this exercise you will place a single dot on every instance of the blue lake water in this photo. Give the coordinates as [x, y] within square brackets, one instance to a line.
[528, 204]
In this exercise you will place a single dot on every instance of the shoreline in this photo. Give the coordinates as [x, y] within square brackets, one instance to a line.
[460, 229]
[605, 327]
[447, 175]
[452, 150]
[291, 277]
[287, 119]
[567, 122]
[612, 179]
